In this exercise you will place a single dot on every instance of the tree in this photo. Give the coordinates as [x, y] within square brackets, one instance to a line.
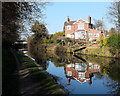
[57, 35]
[13, 15]
[98, 24]
[39, 30]
[114, 14]
[112, 31]
[36, 42]
[114, 40]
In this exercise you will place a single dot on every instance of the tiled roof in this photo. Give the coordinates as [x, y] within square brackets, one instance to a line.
[75, 21]
[69, 23]
[82, 21]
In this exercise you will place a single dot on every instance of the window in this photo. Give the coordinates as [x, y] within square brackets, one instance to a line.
[68, 35]
[96, 34]
[80, 35]
[70, 65]
[90, 65]
[72, 36]
[81, 26]
[81, 75]
[69, 73]
[68, 27]
[96, 66]
[80, 67]
[90, 34]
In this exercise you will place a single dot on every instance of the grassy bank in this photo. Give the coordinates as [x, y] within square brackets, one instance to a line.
[45, 82]
[10, 78]
[104, 51]
[95, 50]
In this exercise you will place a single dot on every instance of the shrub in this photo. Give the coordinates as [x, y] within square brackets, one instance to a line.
[114, 40]
[104, 41]
[60, 49]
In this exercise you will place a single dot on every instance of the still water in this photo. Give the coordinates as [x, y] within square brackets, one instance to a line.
[81, 74]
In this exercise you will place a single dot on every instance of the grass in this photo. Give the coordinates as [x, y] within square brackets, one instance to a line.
[97, 51]
[10, 78]
[48, 85]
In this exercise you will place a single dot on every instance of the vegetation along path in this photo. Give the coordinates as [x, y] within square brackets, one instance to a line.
[34, 81]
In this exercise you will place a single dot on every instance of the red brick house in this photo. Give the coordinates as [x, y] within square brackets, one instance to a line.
[81, 29]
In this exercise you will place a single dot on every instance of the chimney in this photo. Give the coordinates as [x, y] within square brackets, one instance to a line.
[89, 19]
[68, 19]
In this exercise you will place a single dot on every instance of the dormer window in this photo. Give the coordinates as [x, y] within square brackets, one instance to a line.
[68, 27]
[81, 26]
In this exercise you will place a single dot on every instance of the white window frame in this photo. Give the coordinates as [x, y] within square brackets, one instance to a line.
[68, 27]
[81, 26]
[70, 65]
[80, 35]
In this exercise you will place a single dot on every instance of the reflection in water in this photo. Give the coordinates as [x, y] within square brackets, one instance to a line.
[81, 71]
[101, 73]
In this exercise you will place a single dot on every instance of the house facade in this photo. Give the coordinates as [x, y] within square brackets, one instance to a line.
[81, 29]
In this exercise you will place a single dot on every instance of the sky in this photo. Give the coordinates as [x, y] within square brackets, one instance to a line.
[57, 12]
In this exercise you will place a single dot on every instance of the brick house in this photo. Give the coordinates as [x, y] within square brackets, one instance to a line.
[81, 29]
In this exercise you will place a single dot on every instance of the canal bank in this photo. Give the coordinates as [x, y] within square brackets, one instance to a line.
[32, 80]
[101, 51]
[91, 50]
[42, 82]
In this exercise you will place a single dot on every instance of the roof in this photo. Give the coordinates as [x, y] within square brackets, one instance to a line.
[75, 21]
[70, 22]
[81, 20]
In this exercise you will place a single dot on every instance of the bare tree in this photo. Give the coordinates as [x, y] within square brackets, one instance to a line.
[98, 24]
[114, 14]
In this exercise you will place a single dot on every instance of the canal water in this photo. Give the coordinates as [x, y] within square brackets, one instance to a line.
[82, 74]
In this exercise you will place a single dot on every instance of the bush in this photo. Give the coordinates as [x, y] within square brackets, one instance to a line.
[104, 41]
[114, 40]
[60, 49]
[47, 41]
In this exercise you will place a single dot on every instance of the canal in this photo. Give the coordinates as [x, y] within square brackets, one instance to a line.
[81, 74]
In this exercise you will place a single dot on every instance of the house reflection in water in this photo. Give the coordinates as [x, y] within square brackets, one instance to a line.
[81, 72]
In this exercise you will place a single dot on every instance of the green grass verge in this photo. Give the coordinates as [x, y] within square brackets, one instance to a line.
[41, 77]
